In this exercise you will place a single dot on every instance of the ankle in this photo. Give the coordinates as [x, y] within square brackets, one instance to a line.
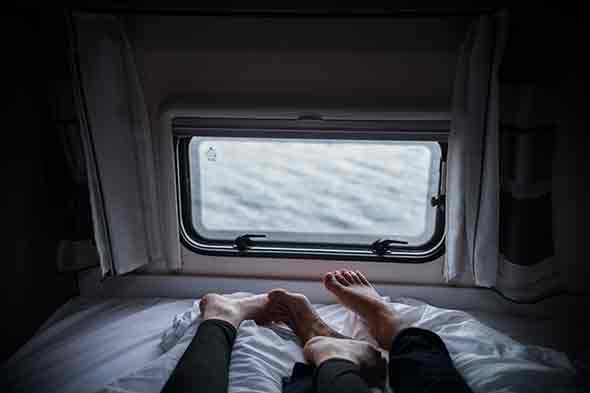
[214, 306]
[384, 327]
[320, 349]
[233, 317]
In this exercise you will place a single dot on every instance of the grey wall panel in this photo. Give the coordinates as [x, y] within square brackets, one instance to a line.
[405, 64]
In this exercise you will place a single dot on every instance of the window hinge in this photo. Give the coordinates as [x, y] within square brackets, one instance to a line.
[437, 200]
[381, 246]
[243, 242]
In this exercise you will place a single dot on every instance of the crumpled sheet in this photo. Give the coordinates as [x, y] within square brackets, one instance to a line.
[488, 360]
[133, 345]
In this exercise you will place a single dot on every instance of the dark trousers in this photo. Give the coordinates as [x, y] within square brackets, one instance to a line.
[418, 363]
[204, 365]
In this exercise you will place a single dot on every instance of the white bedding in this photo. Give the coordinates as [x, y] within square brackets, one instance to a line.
[127, 345]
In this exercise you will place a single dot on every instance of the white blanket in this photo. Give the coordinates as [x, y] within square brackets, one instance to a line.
[123, 346]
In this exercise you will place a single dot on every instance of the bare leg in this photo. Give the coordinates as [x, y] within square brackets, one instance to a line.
[354, 291]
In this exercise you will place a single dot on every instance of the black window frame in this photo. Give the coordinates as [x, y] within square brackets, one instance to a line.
[184, 128]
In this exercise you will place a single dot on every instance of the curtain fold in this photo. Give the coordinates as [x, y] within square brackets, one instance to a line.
[473, 158]
[118, 146]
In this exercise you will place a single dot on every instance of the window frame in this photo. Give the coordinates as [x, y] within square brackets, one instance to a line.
[184, 128]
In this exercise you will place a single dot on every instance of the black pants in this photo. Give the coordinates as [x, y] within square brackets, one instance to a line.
[418, 363]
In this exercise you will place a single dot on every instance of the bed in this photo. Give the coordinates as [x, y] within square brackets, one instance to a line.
[132, 345]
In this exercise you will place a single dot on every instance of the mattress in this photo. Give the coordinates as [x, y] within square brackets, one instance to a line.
[132, 345]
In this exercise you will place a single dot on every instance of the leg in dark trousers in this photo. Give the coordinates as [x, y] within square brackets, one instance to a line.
[339, 376]
[420, 363]
[204, 365]
[338, 358]
[418, 359]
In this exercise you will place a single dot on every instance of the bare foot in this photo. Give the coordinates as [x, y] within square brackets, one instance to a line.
[297, 312]
[367, 357]
[234, 311]
[354, 291]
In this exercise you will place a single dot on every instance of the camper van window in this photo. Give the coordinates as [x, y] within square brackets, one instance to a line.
[295, 194]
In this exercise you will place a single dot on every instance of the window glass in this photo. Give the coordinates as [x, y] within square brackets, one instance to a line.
[311, 190]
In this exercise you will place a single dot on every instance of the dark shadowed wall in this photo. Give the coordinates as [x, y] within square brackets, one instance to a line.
[35, 183]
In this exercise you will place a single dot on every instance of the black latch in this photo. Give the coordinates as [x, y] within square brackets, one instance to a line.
[381, 246]
[437, 200]
[243, 242]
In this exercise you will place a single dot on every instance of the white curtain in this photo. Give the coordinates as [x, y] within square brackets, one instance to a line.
[473, 162]
[118, 146]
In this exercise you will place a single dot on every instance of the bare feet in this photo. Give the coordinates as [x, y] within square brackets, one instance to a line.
[368, 358]
[354, 291]
[234, 311]
[297, 312]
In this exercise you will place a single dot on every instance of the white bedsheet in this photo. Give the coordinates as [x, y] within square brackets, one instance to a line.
[132, 346]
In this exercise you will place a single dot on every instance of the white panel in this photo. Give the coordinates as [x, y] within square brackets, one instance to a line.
[309, 269]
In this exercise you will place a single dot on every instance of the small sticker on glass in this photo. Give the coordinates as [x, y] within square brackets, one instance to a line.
[211, 154]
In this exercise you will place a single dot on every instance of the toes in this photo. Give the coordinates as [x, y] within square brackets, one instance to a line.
[362, 277]
[331, 282]
[276, 308]
[355, 278]
[340, 278]
[348, 277]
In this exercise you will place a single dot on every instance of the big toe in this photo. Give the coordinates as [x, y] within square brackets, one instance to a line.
[332, 284]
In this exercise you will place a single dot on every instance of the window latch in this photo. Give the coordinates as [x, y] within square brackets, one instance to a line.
[381, 246]
[437, 200]
[243, 242]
